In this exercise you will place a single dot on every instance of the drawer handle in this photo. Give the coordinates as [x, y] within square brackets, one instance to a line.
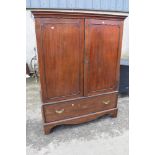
[106, 102]
[59, 111]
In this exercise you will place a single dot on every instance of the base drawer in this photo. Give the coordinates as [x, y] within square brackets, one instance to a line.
[69, 109]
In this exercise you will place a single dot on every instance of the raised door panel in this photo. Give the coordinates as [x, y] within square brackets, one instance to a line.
[62, 56]
[102, 55]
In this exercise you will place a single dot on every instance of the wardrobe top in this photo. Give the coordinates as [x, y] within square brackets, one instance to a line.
[75, 14]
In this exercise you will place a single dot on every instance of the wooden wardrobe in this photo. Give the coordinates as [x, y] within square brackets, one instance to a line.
[79, 61]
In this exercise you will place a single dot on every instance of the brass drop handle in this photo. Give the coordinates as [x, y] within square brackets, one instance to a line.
[59, 111]
[106, 102]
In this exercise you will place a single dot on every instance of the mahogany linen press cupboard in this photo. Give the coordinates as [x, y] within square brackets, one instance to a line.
[79, 60]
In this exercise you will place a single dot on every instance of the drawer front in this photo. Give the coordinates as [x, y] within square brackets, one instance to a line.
[69, 109]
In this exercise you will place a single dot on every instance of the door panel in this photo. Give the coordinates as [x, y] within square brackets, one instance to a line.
[62, 44]
[102, 45]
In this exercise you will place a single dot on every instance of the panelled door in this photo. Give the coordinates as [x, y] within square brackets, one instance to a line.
[102, 55]
[62, 57]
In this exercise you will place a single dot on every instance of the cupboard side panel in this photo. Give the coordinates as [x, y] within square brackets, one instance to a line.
[40, 59]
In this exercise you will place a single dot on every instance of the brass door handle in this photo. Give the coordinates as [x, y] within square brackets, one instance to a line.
[106, 102]
[59, 111]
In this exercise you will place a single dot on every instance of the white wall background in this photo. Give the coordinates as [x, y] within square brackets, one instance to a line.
[125, 42]
[31, 38]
